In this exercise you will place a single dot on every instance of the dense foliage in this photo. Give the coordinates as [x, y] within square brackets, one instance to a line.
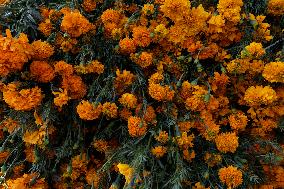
[142, 94]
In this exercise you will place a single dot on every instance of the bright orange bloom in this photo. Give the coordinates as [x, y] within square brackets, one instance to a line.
[231, 176]
[136, 126]
[227, 142]
[88, 111]
[42, 71]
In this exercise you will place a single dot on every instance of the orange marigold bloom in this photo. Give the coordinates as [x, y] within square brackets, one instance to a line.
[128, 100]
[25, 99]
[227, 142]
[184, 126]
[144, 60]
[161, 93]
[159, 151]
[161, 30]
[42, 71]
[136, 126]
[61, 98]
[238, 121]
[274, 72]
[126, 171]
[75, 86]
[109, 109]
[141, 36]
[14, 53]
[123, 80]
[45, 27]
[257, 95]
[10, 124]
[148, 115]
[42, 50]
[275, 7]
[175, 9]
[231, 176]
[88, 111]
[127, 46]
[163, 137]
[79, 165]
[93, 67]
[185, 141]
[110, 15]
[253, 50]
[148, 9]
[24, 182]
[63, 68]
[75, 24]
[89, 5]
[230, 9]
[35, 137]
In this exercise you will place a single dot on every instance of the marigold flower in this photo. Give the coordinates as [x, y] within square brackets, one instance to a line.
[136, 126]
[42, 71]
[35, 137]
[10, 124]
[257, 95]
[185, 141]
[110, 15]
[238, 120]
[25, 180]
[147, 114]
[148, 9]
[101, 145]
[75, 86]
[75, 24]
[161, 93]
[45, 27]
[163, 137]
[42, 50]
[88, 111]
[254, 50]
[61, 98]
[144, 60]
[128, 100]
[161, 30]
[175, 9]
[25, 99]
[125, 113]
[274, 72]
[109, 109]
[89, 5]
[227, 142]
[123, 80]
[230, 9]
[126, 171]
[141, 36]
[231, 176]
[159, 151]
[275, 7]
[93, 67]
[14, 53]
[127, 46]
[63, 68]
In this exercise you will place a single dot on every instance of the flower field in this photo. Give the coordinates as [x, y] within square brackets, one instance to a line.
[141, 94]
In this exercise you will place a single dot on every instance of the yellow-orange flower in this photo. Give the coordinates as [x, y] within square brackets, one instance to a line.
[75, 24]
[25, 99]
[35, 137]
[42, 50]
[184, 141]
[141, 36]
[24, 182]
[123, 80]
[63, 68]
[257, 95]
[110, 15]
[128, 100]
[14, 53]
[61, 98]
[136, 126]
[275, 7]
[127, 46]
[75, 86]
[148, 9]
[126, 171]
[89, 5]
[274, 72]
[230, 9]
[161, 93]
[238, 121]
[253, 50]
[227, 142]
[88, 111]
[231, 176]
[109, 109]
[45, 27]
[42, 71]
[163, 137]
[159, 151]
[93, 67]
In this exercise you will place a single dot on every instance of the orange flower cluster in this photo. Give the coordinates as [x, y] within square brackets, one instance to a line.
[42, 71]
[14, 53]
[136, 126]
[25, 99]
[227, 142]
[88, 111]
[231, 176]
